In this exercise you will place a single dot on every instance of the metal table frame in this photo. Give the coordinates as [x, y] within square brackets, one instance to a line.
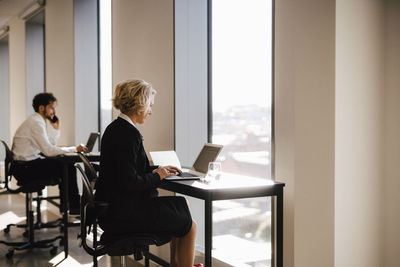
[212, 193]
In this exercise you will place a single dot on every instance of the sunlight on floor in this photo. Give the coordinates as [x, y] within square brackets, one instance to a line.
[59, 261]
[9, 217]
[240, 252]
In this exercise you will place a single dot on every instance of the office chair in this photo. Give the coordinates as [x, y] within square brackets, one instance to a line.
[28, 189]
[111, 243]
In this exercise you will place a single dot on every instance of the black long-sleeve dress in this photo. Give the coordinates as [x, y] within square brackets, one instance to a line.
[127, 183]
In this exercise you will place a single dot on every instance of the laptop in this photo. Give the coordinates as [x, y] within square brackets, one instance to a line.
[208, 153]
[91, 141]
[90, 144]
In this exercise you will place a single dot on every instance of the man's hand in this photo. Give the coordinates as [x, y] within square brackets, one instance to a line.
[82, 148]
[56, 124]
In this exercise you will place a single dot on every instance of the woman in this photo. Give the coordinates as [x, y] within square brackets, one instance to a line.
[128, 183]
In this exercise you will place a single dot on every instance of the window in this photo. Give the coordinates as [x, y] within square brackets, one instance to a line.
[230, 49]
[105, 63]
[241, 94]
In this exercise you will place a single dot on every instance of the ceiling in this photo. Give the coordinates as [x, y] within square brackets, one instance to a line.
[11, 8]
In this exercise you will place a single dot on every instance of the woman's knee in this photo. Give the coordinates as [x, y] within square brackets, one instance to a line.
[193, 229]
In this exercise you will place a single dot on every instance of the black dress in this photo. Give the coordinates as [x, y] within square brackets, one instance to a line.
[127, 183]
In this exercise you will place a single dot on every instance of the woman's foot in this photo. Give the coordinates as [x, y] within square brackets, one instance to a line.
[198, 265]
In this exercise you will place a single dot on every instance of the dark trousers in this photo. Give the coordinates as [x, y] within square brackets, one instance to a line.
[47, 172]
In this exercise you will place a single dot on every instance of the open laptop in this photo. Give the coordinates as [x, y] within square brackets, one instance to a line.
[208, 153]
[90, 143]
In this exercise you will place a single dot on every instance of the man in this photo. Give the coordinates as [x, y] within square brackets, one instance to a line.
[34, 141]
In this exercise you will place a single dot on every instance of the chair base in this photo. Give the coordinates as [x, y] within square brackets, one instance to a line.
[38, 225]
[46, 243]
[30, 233]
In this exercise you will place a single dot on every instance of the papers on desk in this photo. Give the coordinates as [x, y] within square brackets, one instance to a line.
[165, 158]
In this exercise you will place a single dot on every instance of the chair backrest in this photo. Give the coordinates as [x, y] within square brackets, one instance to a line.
[89, 208]
[9, 157]
[89, 169]
[7, 169]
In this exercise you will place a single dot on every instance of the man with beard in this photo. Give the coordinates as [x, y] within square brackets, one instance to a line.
[36, 140]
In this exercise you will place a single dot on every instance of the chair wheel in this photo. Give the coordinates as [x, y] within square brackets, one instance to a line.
[7, 229]
[53, 251]
[10, 254]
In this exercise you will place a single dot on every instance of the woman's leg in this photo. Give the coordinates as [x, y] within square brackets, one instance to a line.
[174, 252]
[185, 247]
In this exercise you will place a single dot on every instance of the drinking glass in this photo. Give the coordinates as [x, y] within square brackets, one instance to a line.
[214, 171]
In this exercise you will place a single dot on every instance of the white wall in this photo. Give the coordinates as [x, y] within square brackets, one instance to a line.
[359, 114]
[4, 94]
[391, 136]
[17, 74]
[34, 63]
[59, 34]
[143, 48]
[304, 128]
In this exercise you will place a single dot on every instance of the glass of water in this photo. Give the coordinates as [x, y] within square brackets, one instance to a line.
[214, 171]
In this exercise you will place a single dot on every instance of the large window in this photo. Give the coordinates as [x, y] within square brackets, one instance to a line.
[105, 59]
[241, 92]
[226, 46]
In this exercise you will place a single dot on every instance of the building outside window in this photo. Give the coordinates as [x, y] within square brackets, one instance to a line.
[241, 98]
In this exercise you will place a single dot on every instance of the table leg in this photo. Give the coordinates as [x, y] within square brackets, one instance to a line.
[208, 233]
[279, 229]
[65, 207]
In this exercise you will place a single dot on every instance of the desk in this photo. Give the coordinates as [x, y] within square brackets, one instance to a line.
[67, 160]
[234, 188]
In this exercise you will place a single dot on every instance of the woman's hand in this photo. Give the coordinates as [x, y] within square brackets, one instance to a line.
[167, 171]
[173, 169]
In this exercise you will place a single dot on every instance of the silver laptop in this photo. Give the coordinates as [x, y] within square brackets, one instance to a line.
[208, 153]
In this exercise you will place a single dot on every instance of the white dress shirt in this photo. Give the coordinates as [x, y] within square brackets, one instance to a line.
[33, 138]
[126, 117]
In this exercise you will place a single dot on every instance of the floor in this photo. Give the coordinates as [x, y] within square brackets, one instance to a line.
[12, 210]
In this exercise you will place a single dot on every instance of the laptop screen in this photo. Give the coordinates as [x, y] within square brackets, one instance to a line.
[207, 154]
[91, 141]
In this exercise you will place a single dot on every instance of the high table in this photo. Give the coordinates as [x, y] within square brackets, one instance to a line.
[230, 187]
[67, 160]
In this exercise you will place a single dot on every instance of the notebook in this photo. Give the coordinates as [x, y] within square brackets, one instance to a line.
[208, 153]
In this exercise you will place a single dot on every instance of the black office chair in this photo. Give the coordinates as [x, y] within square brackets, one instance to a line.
[111, 243]
[30, 226]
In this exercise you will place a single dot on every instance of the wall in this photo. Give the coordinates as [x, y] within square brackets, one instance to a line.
[359, 113]
[304, 128]
[17, 74]
[34, 63]
[59, 35]
[143, 48]
[391, 137]
[85, 69]
[4, 94]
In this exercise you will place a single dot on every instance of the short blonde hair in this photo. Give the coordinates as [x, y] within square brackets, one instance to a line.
[133, 96]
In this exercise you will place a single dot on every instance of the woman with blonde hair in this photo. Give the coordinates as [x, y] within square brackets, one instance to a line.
[129, 184]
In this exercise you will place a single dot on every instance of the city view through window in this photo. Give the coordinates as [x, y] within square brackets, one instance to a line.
[241, 121]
